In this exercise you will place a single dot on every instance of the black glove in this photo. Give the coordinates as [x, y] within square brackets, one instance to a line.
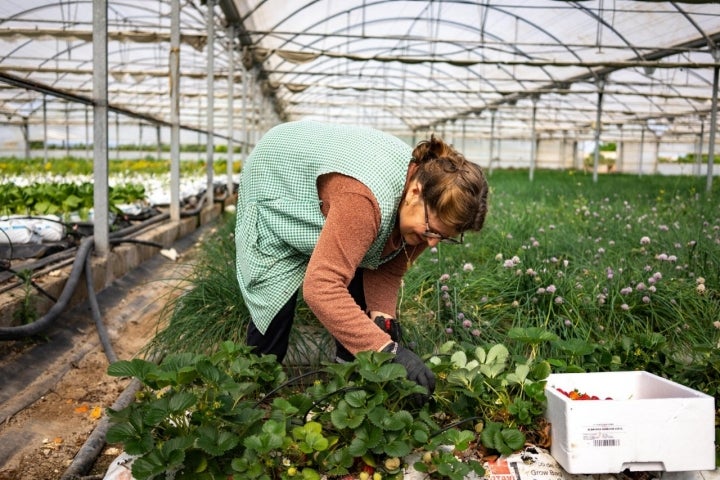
[417, 371]
[390, 326]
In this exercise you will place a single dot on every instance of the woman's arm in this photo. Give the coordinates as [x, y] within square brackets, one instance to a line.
[351, 226]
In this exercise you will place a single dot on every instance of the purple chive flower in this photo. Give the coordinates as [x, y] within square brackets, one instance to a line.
[625, 307]
[475, 332]
[559, 300]
[551, 288]
[466, 324]
[646, 299]
[444, 277]
[645, 241]
[626, 291]
[468, 267]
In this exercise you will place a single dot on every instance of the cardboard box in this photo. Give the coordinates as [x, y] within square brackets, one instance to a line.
[651, 424]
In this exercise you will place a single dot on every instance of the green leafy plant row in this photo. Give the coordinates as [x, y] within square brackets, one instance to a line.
[232, 414]
[61, 198]
[83, 166]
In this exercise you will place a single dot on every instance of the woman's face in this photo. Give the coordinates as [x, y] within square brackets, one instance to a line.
[417, 219]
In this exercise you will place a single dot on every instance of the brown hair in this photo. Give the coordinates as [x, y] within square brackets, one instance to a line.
[452, 186]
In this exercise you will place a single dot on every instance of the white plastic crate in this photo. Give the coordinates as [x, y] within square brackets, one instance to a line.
[651, 424]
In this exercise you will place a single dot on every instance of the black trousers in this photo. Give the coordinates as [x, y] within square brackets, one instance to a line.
[276, 338]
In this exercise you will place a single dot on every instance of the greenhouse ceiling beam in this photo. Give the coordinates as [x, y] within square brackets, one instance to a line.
[219, 75]
[606, 70]
[646, 61]
[197, 41]
[473, 43]
[59, 93]
[441, 79]
[507, 92]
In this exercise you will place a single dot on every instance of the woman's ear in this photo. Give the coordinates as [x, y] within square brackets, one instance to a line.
[414, 192]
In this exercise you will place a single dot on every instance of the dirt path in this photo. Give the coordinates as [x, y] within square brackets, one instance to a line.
[53, 392]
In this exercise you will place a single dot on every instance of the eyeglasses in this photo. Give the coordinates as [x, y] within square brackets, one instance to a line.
[430, 234]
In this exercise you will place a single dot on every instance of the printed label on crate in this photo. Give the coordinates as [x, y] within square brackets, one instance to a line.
[533, 463]
[603, 435]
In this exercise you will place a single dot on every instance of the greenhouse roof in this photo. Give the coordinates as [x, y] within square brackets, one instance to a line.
[402, 66]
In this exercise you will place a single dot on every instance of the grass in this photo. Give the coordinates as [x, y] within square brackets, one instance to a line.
[624, 274]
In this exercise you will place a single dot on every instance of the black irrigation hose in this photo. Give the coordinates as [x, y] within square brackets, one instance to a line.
[135, 240]
[96, 441]
[36, 327]
[292, 381]
[455, 424]
[97, 316]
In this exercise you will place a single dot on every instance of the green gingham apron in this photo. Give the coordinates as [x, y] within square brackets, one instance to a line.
[278, 211]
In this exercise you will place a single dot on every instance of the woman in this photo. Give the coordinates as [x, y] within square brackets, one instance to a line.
[342, 212]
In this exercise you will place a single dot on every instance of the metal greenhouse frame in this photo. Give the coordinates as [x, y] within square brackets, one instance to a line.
[490, 75]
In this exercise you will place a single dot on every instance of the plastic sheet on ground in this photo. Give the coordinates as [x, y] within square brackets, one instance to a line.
[531, 463]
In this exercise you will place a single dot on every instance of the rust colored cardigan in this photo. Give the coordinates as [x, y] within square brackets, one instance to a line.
[352, 224]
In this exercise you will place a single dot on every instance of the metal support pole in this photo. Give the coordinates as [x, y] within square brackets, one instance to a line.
[642, 147]
[158, 142]
[492, 140]
[533, 145]
[698, 152]
[45, 136]
[620, 151]
[87, 132]
[598, 117]
[101, 230]
[230, 108]
[67, 129]
[713, 126]
[25, 128]
[210, 99]
[245, 106]
[117, 136]
[174, 111]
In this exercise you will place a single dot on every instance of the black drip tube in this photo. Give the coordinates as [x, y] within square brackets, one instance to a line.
[82, 263]
[36, 327]
[96, 441]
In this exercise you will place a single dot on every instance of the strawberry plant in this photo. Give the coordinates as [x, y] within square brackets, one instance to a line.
[232, 414]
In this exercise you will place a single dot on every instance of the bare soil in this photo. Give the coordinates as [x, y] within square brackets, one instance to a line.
[55, 389]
